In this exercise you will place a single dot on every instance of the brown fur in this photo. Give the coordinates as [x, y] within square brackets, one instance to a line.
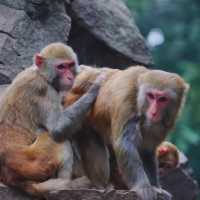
[108, 112]
[24, 155]
[28, 155]
[117, 99]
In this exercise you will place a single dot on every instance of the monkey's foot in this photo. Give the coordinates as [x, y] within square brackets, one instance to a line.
[109, 188]
[56, 185]
[163, 194]
[146, 193]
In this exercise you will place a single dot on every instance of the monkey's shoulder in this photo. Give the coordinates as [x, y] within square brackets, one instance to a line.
[27, 84]
[87, 77]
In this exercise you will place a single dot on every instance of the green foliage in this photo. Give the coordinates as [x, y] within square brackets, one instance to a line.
[179, 21]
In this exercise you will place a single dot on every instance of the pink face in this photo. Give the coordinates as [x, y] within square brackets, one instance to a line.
[66, 70]
[158, 101]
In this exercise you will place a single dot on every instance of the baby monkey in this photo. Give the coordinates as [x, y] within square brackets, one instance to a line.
[168, 157]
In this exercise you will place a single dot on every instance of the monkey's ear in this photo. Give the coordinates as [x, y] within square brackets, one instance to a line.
[39, 60]
[187, 88]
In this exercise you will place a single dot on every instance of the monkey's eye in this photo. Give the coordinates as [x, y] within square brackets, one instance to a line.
[150, 96]
[71, 64]
[61, 66]
[163, 99]
[162, 165]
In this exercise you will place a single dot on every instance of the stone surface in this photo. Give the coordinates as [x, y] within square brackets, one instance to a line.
[11, 194]
[25, 32]
[16, 4]
[181, 179]
[180, 184]
[82, 194]
[104, 33]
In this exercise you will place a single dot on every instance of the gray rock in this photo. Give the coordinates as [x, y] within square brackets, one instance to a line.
[81, 194]
[180, 184]
[181, 179]
[104, 33]
[17, 4]
[86, 194]
[23, 33]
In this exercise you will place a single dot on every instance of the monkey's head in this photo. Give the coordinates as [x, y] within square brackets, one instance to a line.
[168, 157]
[160, 96]
[58, 63]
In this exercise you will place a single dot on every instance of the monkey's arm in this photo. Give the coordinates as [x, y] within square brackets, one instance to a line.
[151, 166]
[70, 120]
[128, 156]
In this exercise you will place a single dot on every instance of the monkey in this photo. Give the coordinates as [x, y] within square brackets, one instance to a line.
[172, 161]
[31, 111]
[167, 155]
[133, 113]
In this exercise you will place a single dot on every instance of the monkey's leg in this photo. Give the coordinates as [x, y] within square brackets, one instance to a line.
[130, 162]
[55, 185]
[52, 186]
[63, 180]
[116, 176]
[30, 167]
[65, 172]
[151, 168]
[94, 156]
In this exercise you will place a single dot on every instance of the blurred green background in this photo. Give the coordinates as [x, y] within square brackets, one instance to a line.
[172, 32]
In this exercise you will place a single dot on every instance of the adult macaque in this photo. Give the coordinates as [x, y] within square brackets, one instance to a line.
[168, 157]
[31, 110]
[153, 95]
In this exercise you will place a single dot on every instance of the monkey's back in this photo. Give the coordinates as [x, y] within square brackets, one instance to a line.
[116, 100]
[18, 105]
[24, 154]
[18, 111]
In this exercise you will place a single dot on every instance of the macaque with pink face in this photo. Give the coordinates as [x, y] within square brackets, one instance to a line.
[133, 113]
[37, 152]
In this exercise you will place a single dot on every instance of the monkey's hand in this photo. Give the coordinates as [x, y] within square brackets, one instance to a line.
[97, 83]
[163, 194]
[84, 84]
[71, 119]
[152, 193]
[146, 192]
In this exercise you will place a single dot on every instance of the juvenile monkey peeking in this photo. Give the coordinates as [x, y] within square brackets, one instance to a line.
[31, 111]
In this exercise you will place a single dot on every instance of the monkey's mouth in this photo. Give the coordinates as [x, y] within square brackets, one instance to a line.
[166, 165]
[154, 118]
[70, 78]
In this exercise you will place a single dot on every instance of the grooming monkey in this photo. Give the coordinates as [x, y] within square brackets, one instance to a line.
[153, 95]
[168, 157]
[30, 111]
